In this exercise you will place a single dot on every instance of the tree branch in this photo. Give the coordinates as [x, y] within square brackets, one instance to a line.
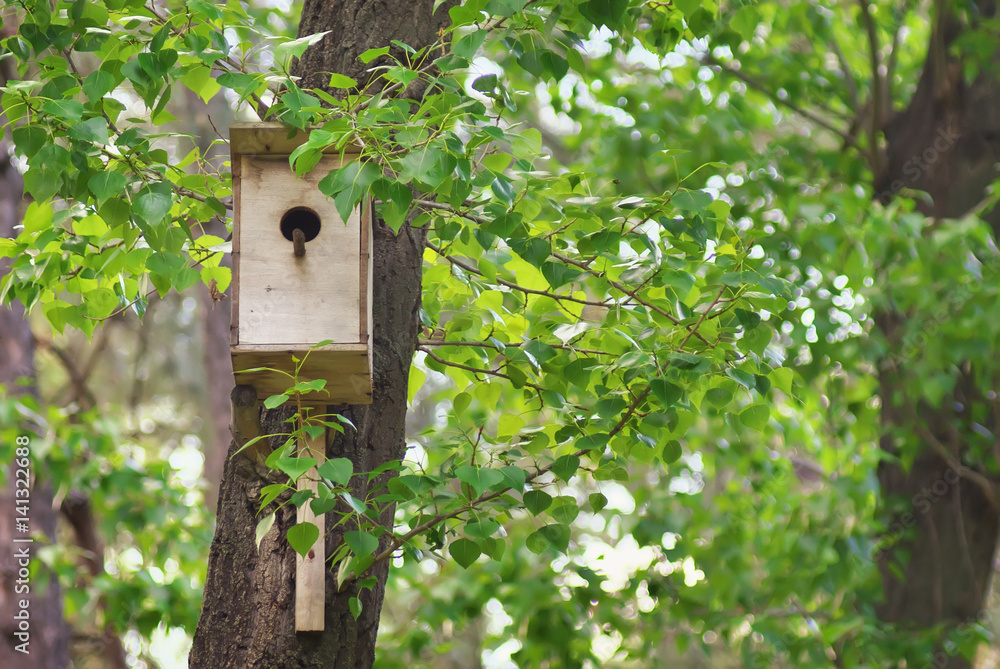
[631, 293]
[852, 87]
[804, 113]
[510, 284]
[485, 344]
[988, 488]
[474, 370]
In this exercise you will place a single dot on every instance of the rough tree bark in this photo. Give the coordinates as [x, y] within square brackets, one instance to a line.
[247, 617]
[947, 143]
[49, 641]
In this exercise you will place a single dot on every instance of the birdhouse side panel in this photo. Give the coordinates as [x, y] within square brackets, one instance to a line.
[289, 300]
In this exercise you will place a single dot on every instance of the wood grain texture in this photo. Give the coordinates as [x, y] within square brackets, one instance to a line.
[270, 138]
[284, 299]
[345, 367]
[284, 304]
[310, 571]
[234, 292]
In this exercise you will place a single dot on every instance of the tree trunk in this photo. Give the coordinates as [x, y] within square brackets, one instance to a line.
[947, 143]
[47, 634]
[247, 618]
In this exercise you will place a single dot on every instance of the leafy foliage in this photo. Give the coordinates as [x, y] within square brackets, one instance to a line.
[620, 259]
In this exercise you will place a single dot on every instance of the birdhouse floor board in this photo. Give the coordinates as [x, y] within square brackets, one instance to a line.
[345, 367]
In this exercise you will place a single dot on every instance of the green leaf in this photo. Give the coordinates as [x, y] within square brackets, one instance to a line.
[424, 165]
[468, 45]
[756, 416]
[321, 506]
[479, 478]
[270, 492]
[592, 441]
[348, 185]
[338, 470]
[671, 452]
[782, 378]
[371, 54]
[482, 529]
[757, 339]
[604, 12]
[564, 510]
[341, 81]
[485, 84]
[101, 302]
[354, 503]
[93, 130]
[719, 397]
[668, 393]
[597, 501]
[536, 501]
[355, 605]
[296, 47]
[504, 190]
[302, 536]
[744, 22]
[275, 401]
[514, 477]
[263, 527]
[464, 551]
[68, 110]
[461, 402]
[99, 83]
[566, 467]
[362, 544]
[295, 467]
[555, 536]
[153, 203]
[107, 184]
[92, 226]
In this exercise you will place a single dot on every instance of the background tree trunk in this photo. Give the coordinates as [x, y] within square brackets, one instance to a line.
[947, 143]
[49, 640]
[247, 616]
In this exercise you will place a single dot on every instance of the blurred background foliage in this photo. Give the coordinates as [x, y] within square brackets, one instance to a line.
[749, 549]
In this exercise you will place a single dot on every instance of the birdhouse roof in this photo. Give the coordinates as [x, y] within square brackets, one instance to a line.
[273, 139]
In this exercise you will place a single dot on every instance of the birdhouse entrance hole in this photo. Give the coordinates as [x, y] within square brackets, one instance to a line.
[303, 218]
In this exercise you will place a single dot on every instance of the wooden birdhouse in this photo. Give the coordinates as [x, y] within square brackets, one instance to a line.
[301, 274]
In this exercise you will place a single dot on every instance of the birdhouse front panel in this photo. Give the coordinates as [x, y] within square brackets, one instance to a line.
[285, 299]
[301, 274]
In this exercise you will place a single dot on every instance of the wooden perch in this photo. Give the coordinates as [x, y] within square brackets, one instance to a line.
[299, 242]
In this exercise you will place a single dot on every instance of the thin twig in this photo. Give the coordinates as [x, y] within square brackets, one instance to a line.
[878, 84]
[852, 87]
[631, 293]
[804, 113]
[486, 344]
[474, 370]
[510, 284]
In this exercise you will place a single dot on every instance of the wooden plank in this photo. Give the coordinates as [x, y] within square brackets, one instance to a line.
[366, 270]
[310, 571]
[234, 290]
[271, 138]
[284, 299]
[345, 367]
[366, 280]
